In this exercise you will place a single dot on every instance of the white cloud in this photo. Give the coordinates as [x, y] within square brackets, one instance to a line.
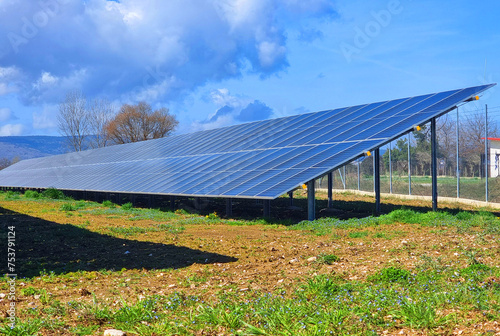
[5, 114]
[45, 119]
[11, 130]
[46, 80]
[108, 48]
[9, 78]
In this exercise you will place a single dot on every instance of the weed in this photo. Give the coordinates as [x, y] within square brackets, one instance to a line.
[53, 193]
[358, 234]
[12, 195]
[67, 207]
[84, 330]
[418, 315]
[109, 204]
[328, 259]
[389, 275]
[32, 194]
[127, 206]
[28, 327]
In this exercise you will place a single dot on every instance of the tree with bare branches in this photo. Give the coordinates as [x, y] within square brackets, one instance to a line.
[101, 112]
[73, 120]
[139, 122]
[83, 123]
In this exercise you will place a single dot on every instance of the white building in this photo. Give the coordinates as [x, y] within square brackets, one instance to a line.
[494, 159]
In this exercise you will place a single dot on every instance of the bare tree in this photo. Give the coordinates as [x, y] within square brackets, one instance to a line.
[139, 122]
[446, 134]
[5, 162]
[472, 139]
[100, 113]
[73, 120]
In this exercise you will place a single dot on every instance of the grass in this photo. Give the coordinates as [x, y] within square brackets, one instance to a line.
[412, 288]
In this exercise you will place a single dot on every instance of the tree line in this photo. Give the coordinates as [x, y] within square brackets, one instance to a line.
[471, 148]
[96, 123]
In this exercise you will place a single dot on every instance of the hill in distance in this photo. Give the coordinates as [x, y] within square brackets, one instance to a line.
[29, 147]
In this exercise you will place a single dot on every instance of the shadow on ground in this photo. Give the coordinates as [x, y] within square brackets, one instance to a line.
[60, 248]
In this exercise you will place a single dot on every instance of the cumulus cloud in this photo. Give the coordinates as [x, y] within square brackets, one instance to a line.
[143, 49]
[233, 110]
[45, 119]
[5, 114]
[11, 130]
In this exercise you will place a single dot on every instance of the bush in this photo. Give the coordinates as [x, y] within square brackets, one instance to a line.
[127, 206]
[328, 259]
[12, 195]
[67, 207]
[32, 194]
[53, 193]
[463, 215]
[109, 204]
[390, 274]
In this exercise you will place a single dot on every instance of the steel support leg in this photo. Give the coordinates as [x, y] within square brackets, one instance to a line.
[229, 207]
[376, 162]
[311, 201]
[267, 208]
[290, 196]
[330, 189]
[172, 203]
[434, 164]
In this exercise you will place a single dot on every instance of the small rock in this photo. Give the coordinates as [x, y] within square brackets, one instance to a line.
[404, 242]
[37, 296]
[84, 292]
[2, 295]
[312, 259]
[294, 260]
[114, 332]
[281, 280]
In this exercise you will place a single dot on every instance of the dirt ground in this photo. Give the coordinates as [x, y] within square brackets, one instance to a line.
[211, 259]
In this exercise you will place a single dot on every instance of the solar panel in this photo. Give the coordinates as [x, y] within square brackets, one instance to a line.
[262, 159]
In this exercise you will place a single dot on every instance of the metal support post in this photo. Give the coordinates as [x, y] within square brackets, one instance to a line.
[359, 176]
[409, 164]
[434, 164]
[377, 180]
[290, 197]
[229, 207]
[311, 201]
[330, 189]
[267, 208]
[172, 202]
[458, 156]
[390, 167]
[486, 172]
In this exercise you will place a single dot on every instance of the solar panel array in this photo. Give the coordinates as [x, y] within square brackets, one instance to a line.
[263, 159]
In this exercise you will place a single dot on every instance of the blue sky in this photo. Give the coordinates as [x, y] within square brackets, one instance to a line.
[219, 62]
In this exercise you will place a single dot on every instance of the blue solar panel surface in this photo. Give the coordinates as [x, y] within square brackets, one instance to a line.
[263, 159]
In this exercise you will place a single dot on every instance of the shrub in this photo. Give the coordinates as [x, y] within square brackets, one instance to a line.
[463, 215]
[53, 193]
[31, 194]
[12, 195]
[127, 206]
[328, 259]
[109, 204]
[67, 207]
[389, 275]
